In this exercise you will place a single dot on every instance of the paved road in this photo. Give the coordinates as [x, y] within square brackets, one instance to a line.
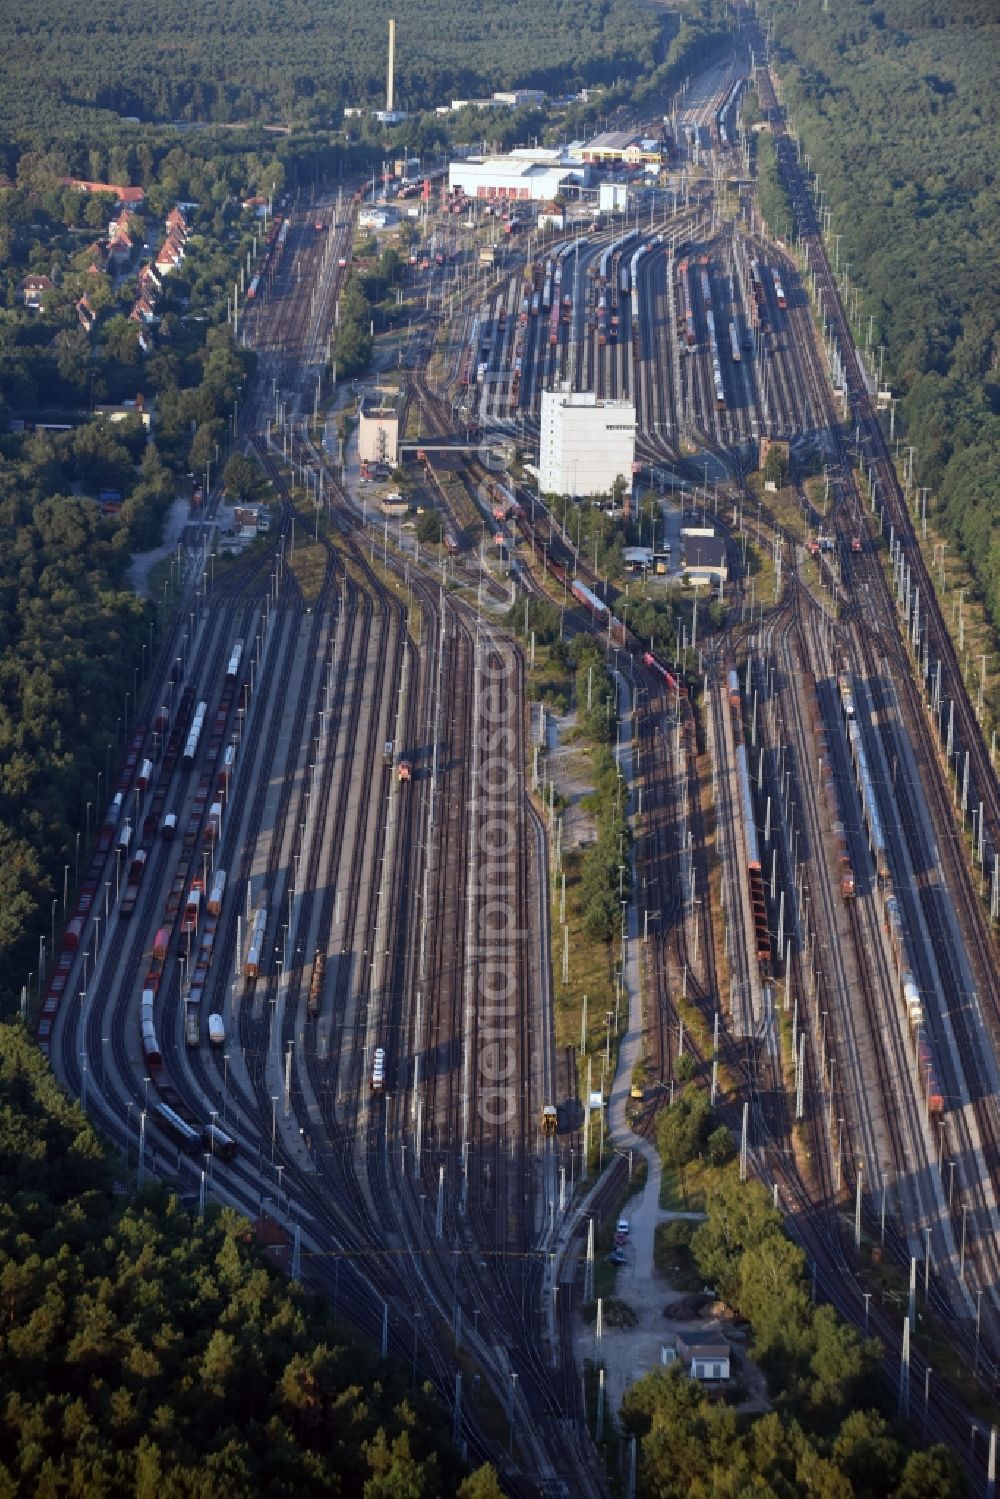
[644, 1211]
[629, 1352]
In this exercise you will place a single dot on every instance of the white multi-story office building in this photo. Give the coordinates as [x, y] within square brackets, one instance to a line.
[378, 428]
[586, 444]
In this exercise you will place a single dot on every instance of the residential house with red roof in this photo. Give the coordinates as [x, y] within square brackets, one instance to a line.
[135, 196]
[86, 314]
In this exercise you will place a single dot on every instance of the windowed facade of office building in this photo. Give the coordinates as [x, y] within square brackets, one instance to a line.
[585, 443]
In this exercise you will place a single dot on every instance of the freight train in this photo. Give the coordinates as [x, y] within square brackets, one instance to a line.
[196, 908]
[177, 1126]
[315, 995]
[686, 306]
[618, 633]
[913, 1009]
[865, 784]
[137, 767]
[908, 992]
[755, 878]
[723, 115]
[274, 249]
[255, 949]
[713, 344]
[834, 795]
[148, 782]
[754, 873]
[676, 686]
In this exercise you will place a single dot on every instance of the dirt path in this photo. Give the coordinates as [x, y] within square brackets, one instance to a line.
[142, 563]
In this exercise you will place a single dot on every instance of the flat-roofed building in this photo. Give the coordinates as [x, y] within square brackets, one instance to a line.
[515, 178]
[378, 428]
[705, 558]
[585, 443]
[517, 98]
[625, 146]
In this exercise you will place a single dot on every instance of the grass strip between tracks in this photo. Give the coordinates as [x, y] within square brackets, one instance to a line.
[591, 966]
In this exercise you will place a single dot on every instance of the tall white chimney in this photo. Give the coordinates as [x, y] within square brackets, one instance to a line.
[390, 85]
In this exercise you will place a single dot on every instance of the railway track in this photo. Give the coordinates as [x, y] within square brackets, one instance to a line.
[493, 1205]
[863, 574]
[376, 1159]
[936, 642]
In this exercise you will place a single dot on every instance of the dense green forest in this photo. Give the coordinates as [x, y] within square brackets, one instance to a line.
[143, 1352]
[302, 61]
[772, 196]
[898, 106]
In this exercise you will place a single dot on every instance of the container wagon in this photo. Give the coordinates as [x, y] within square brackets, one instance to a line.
[755, 878]
[192, 907]
[316, 985]
[192, 1024]
[132, 882]
[194, 735]
[217, 1142]
[232, 670]
[150, 1047]
[216, 892]
[182, 1134]
[255, 949]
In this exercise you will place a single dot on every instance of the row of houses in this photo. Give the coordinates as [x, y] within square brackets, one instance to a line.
[113, 254]
[168, 257]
